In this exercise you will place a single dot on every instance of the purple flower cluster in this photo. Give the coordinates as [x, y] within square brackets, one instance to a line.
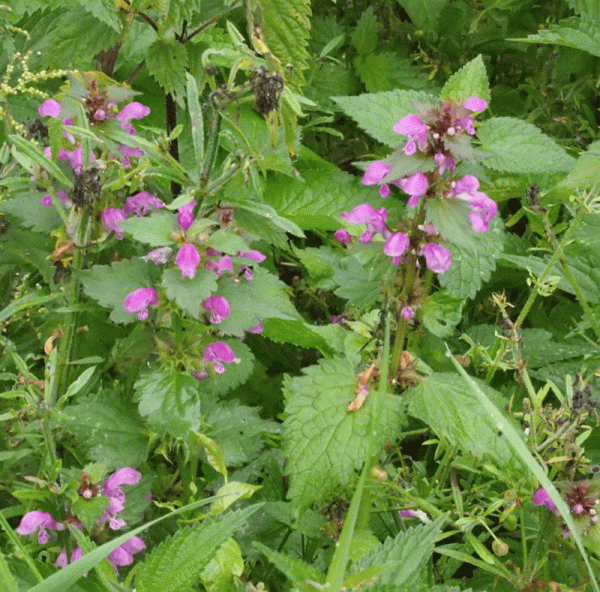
[41, 522]
[433, 135]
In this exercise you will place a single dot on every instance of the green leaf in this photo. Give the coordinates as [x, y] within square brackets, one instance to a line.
[110, 284]
[169, 401]
[213, 454]
[196, 119]
[425, 14]
[177, 563]
[365, 34]
[296, 570]
[286, 27]
[109, 429]
[471, 80]
[457, 415]
[104, 10]
[89, 511]
[167, 61]
[442, 311]
[377, 113]
[227, 242]
[154, 230]
[296, 332]
[324, 443]
[189, 293]
[405, 557]
[253, 301]
[588, 9]
[449, 216]
[230, 493]
[470, 269]
[386, 71]
[227, 562]
[269, 215]
[515, 146]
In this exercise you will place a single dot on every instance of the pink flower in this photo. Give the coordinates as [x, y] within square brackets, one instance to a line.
[187, 260]
[123, 555]
[219, 308]
[343, 236]
[471, 104]
[414, 514]
[253, 255]
[140, 300]
[444, 162]
[216, 354]
[395, 246]
[124, 476]
[475, 104]
[374, 174]
[76, 554]
[438, 258]
[185, 217]
[407, 313]
[62, 196]
[110, 218]
[416, 186]
[256, 329]
[416, 130]
[159, 256]
[482, 208]
[223, 264]
[49, 108]
[132, 111]
[542, 498]
[34, 520]
[374, 219]
[142, 202]
[77, 159]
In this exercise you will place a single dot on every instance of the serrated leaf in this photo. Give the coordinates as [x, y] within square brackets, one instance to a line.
[227, 562]
[541, 349]
[296, 332]
[269, 214]
[227, 242]
[457, 415]
[168, 399]
[365, 37]
[515, 146]
[167, 61]
[442, 311]
[377, 113]
[387, 71]
[154, 230]
[253, 301]
[231, 492]
[178, 562]
[324, 443]
[405, 557]
[471, 80]
[213, 454]
[588, 9]
[470, 269]
[286, 27]
[110, 284]
[296, 570]
[449, 216]
[89, 511]
[104, 10]
[189, 293]
[425, 14]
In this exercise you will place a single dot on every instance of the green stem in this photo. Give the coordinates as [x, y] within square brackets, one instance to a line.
[212, 145]
[17, 542]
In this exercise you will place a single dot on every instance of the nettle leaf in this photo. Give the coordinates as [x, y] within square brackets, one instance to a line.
[168, 400]
[286, 26]
[515, 146]
[365, 34]
[296, 332]
[296, 570]
[442, 311]
[189, 293]
[179, 561]
[253, 301]
[425, 14]
[471, 268]
[386, 71]
[25, 206]
[324, 443]
[227, 242]
[109, 429]
[103, 10]
[471, 80]
[89, 511]
[456, 414]
[154, 230]
[320, 264]
[541, 349]
[110, 284]
[318, 202]
[236, 374]
[167, 61]
[449, 216]
[404, 558]
[403, 165]
[377, 113]
[356, 283]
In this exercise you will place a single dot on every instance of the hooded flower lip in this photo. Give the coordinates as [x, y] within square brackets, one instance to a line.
[342, 236]
[133, 110]
[34, 520]
[124, 476]
[216, 354]
[542, 498]
[474, 103]
[159, 256]
[223, 264]
[185, 217]
[49, 108]
[396, 246]
[142, 202]
[140, 300]
[482, 208]
[375, 174]
[437, 258]
[416, 130]
[415, 186]
[253, 255]
[187, 260]
[374, 219]
[218, 307]
[110, 218]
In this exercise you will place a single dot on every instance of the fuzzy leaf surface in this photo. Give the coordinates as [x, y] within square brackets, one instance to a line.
[425, 14]
[178, 562]
[189, 293]
[324, 443]
[167, 62]
[471, 80]
[515, 146]
[154, 230]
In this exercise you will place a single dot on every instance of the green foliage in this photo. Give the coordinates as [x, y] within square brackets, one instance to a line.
[441, 313]
[324, 442]
[154, 230]
[167, 61]
[189, 293]
[515, 146]
[425, 14]
[364, 37]
[179, 561]
[470, 80]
